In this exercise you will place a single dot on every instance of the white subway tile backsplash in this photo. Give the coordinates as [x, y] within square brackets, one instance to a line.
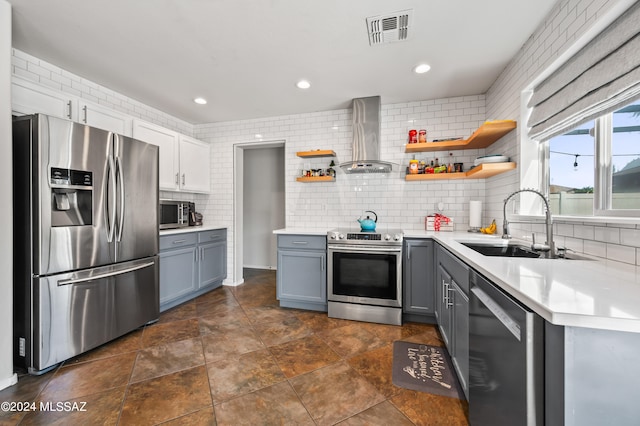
[586, 232]
[630, 237]
[621, 253]
[595, 248]
[607, 234]
[565, 229]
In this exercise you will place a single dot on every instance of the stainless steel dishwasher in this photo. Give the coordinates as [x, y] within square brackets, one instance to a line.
[506, 376]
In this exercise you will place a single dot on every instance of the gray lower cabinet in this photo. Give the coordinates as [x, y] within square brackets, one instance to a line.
[452, 310]
[190, 265]
[418, 300]
[212, 258]
[301, 279]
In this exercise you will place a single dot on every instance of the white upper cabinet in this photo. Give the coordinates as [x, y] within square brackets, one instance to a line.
[184, 162]
[30, 98]
[167, 141]
[195, 165]
[104, 118]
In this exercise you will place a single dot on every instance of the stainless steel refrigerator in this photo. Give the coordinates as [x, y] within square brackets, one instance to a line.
[85, 238]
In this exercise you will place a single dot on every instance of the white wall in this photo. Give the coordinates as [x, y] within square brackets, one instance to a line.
[399, 204]
[565, 24]
[7, 376]
[264, 201]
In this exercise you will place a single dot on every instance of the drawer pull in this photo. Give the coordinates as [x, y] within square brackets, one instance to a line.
[179, 241]
[300, 242]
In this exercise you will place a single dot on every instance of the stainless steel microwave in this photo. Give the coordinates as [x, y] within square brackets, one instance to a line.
[174, 214]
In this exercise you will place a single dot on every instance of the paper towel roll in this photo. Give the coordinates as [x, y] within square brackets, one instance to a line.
[475, 214]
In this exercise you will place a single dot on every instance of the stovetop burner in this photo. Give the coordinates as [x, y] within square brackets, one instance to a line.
[354, 236]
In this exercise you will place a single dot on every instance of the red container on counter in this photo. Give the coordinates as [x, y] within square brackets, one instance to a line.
[413, 136]
[422, 136]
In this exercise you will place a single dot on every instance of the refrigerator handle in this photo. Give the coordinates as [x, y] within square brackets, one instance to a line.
[105, 275]
[120, 179]
[110, 211]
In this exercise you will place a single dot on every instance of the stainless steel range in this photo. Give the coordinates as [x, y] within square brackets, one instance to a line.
[365, 275]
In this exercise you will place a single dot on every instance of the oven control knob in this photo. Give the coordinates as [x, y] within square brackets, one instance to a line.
[387, 237]
[341, 236]
[332, 236]
[397, 237]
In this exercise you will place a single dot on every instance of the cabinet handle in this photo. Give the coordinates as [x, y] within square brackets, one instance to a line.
[177, 179]
[444, 291]
[69, 110]
[322, 262]
[84, 109]
[178, 241]
[408, 254]
[183, 180]
[300, 242]
[202, 253]
[195, 256]
[449, 302]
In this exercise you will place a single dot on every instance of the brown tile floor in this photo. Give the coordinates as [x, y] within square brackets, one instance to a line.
[234, 357]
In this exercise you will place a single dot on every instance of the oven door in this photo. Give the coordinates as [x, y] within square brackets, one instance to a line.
[366, 275]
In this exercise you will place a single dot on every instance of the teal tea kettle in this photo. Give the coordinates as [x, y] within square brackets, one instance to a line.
[367, 224]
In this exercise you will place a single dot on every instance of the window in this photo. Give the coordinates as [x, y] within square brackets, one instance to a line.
[594, 169]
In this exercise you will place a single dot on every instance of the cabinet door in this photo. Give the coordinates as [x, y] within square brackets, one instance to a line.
[302, 276]
[105, 118]
[418, 277]
[177, 273]
[212, 264]
[29, 98]
[460, 356]
[195, 165]
[167, 140]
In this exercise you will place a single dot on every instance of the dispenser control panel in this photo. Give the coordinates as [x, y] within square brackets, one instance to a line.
[71, 177]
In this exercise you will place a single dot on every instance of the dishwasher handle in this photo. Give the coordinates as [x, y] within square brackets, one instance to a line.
[498, 312]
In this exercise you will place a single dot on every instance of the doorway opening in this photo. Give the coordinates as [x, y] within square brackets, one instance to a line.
[259, 201]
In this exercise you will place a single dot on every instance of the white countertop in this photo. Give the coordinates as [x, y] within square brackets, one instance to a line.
[188, 229]
[599, 294]
[300, 231]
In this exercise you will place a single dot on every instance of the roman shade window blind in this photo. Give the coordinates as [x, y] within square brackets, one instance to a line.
[603, 76]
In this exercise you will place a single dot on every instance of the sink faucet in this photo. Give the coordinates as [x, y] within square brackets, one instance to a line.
[549, 246]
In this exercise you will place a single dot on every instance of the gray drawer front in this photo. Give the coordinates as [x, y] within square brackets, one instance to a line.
[211, 236]
[458, 270]
[178, 240]
[303, 242]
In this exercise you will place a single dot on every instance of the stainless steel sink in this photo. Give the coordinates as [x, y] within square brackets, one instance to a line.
[515, 250]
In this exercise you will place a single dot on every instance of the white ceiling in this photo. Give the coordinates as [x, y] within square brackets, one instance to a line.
[245, 56]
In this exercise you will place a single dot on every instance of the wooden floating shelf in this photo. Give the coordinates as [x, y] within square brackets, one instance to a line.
[481, 171]
[316, 153]
[486, 134]
[316, 179]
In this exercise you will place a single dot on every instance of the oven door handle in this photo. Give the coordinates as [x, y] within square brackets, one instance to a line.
[366, 249]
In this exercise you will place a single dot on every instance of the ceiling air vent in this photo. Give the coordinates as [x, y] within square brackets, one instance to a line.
[389, 28]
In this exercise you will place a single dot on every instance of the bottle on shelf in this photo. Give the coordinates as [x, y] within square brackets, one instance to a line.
[450, 166]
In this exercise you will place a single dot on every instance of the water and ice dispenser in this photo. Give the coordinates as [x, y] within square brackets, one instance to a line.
[71, 197]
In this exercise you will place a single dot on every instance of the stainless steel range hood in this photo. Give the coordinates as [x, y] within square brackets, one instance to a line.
[366, 138]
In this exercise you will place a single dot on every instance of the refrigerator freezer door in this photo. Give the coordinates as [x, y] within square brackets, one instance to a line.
[137, 206]
[69, 169]
[75, 312]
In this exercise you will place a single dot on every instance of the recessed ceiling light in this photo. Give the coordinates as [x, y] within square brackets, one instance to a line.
[200, 101]
[421, 69]
[303, 84]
